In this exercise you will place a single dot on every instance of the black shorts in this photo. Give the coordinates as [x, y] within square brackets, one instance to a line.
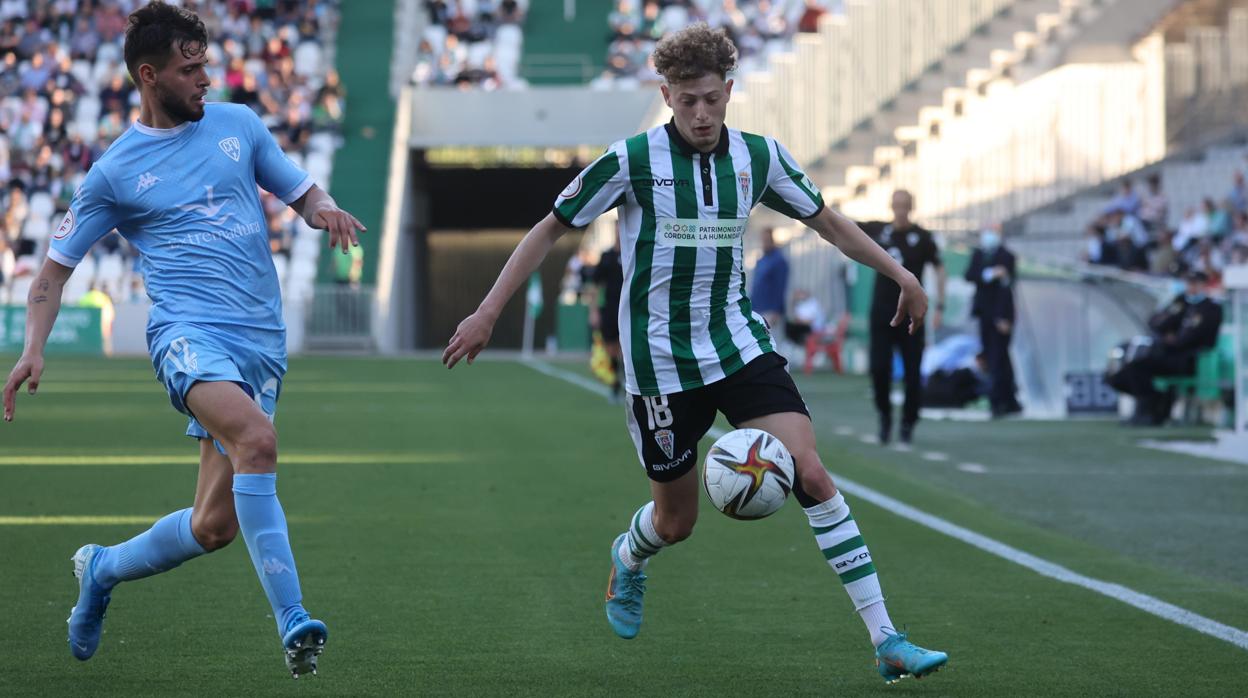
[666, 429]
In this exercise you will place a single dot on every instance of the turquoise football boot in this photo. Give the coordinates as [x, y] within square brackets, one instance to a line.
[897, 658]
[625, 589]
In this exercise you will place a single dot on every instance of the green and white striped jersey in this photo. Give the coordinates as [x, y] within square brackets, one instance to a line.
[685, 319]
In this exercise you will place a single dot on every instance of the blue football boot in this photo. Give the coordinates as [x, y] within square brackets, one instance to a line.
[625, 589]
[897, 658]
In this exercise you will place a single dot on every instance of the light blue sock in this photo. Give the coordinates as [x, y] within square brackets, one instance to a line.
[167, 544]
[263, 525]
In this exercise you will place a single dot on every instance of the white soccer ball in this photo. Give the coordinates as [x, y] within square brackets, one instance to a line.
[748, 474]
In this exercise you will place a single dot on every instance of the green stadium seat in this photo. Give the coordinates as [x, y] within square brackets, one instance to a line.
[1215, 369]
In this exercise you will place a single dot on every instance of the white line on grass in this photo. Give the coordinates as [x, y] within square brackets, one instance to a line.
[1143, 602]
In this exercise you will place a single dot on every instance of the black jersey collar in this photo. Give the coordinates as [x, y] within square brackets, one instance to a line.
[687, 149]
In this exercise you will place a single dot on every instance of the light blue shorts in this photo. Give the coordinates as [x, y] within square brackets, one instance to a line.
[186, 354]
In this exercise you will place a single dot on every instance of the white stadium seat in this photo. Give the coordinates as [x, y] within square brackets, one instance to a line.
[308, 59]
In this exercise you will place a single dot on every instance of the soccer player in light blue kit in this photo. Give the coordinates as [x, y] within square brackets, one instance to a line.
[180, 185]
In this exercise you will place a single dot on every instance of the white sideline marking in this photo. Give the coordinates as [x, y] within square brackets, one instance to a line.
[935, 456]
[1118, 592]
[972, 468]
[844, 430]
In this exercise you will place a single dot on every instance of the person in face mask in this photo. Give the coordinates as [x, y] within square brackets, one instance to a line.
[1182, 329]
[992, 271]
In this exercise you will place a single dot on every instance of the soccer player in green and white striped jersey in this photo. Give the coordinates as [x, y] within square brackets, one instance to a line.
[692, 345]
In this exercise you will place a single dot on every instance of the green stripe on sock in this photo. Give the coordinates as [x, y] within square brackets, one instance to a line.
[841, 548]
[858, 573]
[637, 531]
[820, 530]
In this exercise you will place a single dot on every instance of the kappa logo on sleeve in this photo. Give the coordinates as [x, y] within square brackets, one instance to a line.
[66, 228]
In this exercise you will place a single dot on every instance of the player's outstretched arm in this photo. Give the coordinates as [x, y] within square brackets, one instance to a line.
[474, 332]
[42, 306]
[320, 212]
[858, 246]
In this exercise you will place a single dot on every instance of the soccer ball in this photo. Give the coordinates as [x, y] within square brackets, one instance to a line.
[748, 474]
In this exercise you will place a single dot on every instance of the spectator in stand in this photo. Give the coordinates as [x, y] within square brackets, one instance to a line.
[1238, 195]
[1238, 238]
[48, 141]
[1128, 234]
[809, 23]
[1165, 260]
[1218, 221]
[16, 211]
[1127, 200]
[1193, 227]
[1154, 206]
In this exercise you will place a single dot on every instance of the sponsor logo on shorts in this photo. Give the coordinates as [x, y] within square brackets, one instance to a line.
[674, 464]
[666, 441]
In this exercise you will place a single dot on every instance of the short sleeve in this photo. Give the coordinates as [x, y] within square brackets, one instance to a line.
[93, 213]
[789, 190]
[275, 173]
[596, 190]
[933, 252]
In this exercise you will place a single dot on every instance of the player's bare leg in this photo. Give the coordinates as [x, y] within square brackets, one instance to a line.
[843, 547]
[212, 518]
[250, 441]
[666, 520]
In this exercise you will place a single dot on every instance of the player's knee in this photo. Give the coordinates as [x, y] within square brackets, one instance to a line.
[257, 449]
[815, 482]
[214, 532]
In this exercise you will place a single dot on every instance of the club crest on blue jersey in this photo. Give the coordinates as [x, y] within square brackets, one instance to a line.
[230, 146]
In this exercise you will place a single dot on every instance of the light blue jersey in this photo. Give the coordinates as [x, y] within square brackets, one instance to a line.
[186, 198]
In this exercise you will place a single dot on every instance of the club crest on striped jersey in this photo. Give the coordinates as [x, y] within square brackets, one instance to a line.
[231, 147]
[743, 179]
[666, 441]
[573, 188]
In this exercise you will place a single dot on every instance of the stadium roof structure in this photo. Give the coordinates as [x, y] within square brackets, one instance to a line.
[541, 117]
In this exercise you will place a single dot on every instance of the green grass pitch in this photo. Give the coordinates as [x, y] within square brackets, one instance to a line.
[452, 528]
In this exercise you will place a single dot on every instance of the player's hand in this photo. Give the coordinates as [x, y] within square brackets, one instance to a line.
[470, 338]
[27, 368]
[1004, 326]
[341, 226]
[911, 303]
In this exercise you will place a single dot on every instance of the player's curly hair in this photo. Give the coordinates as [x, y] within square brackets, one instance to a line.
[695, 51]
[154, 29]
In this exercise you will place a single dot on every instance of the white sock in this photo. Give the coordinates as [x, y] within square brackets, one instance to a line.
[838, 537]
[643, 540]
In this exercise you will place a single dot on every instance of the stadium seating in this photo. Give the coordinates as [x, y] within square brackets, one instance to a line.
[97, 101]
[465, 44]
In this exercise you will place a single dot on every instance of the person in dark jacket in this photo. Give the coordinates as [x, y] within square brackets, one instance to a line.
[992, 270]
[1181, 330]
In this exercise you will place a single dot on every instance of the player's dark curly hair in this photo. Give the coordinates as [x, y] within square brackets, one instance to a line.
[695, 51]
[156, 28]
